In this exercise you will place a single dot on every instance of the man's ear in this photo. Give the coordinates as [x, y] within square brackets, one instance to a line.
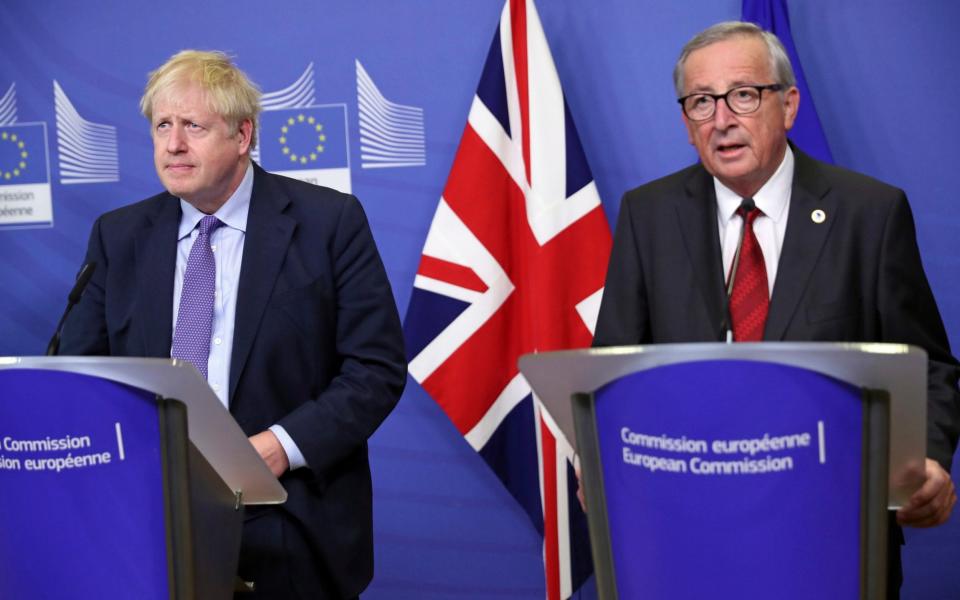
[245, 135]
[791, 104]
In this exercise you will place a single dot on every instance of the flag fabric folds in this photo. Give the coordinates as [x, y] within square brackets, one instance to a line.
[514, 262]
[807, 131]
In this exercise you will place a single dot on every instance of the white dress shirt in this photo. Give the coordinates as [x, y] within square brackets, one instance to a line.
[227, 245]
[773, 199]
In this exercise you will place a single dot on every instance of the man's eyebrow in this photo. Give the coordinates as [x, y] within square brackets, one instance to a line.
[709, 89]
[700, 89]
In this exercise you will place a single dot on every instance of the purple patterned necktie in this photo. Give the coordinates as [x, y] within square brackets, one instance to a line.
[191, 337]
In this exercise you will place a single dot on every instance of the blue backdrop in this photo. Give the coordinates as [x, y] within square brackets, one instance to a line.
[882, 73]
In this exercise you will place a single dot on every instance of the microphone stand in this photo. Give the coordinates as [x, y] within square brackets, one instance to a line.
[83, 277]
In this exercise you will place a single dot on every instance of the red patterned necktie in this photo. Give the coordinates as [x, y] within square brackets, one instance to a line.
[750, 299]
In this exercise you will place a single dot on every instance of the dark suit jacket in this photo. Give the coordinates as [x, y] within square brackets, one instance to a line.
[317, 342]
[856, 277]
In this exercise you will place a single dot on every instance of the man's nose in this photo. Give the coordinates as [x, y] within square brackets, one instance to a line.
[175, 140]
[723, 117]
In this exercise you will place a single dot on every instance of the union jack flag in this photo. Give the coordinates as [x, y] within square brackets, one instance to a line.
[514, 262]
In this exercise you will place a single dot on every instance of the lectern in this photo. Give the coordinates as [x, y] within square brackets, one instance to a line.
[120, 478]
[740, 470]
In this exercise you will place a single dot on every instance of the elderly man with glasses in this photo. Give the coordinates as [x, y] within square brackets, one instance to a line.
[832, 254]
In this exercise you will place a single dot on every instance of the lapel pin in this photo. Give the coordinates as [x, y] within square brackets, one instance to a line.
[818, 216]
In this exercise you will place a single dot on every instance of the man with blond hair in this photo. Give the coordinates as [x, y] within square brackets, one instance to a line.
[833, 253]
[275, 291]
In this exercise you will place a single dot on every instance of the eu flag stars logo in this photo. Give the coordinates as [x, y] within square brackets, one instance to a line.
[18, 164]
[307, 143]
[314, 134]
[25, 198]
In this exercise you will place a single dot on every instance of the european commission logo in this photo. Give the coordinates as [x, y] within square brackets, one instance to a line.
[308, 143]
[25, 198]
[87, 154]
[303, 140]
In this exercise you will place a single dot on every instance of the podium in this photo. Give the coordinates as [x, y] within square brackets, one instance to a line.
[746, 470]
[121, 478]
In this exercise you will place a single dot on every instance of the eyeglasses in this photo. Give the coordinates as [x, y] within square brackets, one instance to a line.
[742, 100]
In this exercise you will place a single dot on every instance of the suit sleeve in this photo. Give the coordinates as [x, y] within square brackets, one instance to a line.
[369, 342]
[909, 314]
[623, 318]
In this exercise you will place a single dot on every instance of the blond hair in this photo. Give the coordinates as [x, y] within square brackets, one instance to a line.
[228, 91]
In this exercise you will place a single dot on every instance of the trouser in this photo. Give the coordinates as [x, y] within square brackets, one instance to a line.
[275, 556]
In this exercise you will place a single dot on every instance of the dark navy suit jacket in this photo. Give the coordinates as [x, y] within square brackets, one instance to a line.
[856, 277]
[317, 346]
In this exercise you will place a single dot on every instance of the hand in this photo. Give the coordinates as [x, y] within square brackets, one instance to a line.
[932, 504]
[271, 451]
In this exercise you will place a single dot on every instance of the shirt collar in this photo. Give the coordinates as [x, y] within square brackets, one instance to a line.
[772, 198]
[233, 213]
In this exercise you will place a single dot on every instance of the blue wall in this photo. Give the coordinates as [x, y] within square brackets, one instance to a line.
[884, 78]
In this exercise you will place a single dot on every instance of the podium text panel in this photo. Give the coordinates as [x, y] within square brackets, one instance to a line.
[81, 489]
[708, 468]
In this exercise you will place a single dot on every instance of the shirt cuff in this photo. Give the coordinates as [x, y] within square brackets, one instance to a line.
[294, 456]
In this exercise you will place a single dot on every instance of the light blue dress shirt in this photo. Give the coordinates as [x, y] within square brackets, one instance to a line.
[227, 245]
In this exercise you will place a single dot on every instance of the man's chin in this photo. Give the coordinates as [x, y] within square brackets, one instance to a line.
[177, 188]
[740, 180]
[734, 170]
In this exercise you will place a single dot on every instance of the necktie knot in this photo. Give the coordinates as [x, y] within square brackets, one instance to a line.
[749, 216]
[208, 225]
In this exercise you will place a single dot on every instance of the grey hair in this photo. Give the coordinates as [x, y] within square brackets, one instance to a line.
[779, 60]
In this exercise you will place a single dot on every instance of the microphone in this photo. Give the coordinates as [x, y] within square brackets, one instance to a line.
[83, 277]
[726, 328]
